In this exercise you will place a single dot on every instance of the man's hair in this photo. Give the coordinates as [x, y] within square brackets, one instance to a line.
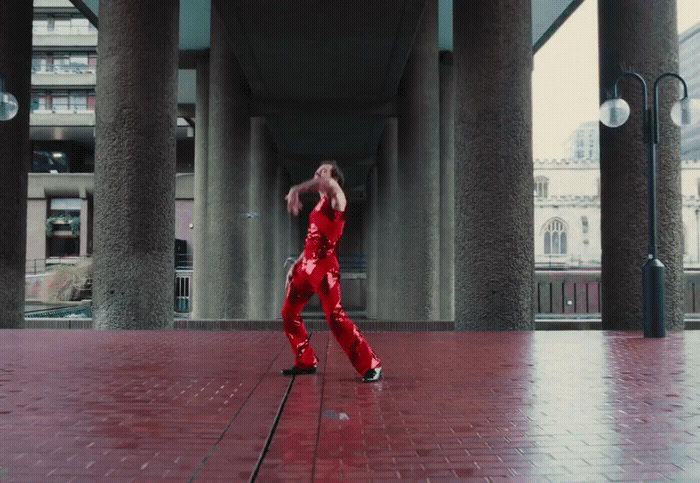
[336, 172]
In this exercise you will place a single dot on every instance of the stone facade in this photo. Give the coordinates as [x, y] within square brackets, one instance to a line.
[572, 195]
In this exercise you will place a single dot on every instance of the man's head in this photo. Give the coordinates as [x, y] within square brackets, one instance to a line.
[330, 169]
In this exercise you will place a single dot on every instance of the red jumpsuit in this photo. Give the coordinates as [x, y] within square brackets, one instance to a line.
[319, 272]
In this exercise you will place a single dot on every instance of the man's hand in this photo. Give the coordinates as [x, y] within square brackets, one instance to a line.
[293, 202]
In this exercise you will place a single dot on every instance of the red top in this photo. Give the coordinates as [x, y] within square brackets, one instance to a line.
[320, 249]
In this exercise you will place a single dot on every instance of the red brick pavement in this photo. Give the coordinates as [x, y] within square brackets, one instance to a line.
[82, 405]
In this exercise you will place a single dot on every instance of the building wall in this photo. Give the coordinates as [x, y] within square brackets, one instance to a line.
[689, 69]
[573, 193]
[36, 234]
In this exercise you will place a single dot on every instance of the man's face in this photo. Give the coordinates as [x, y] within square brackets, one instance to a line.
[324, 171]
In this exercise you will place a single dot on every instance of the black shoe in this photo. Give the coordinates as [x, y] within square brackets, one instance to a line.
[373, 375]
[295, 371]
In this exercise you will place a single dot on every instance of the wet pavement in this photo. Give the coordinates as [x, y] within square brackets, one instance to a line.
[83, 405]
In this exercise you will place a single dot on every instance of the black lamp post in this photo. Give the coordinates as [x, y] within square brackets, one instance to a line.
[8, 102]
[613, 113]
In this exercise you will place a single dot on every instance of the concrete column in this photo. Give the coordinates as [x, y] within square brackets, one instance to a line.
[135, 165]
[640, 36]
[447, 187]
[388, 277]
[419, 175]
[15, 156]
[200, 258]
[282, 239]
[372, 243]
[263, 184]
[494, 206]
[228, 178]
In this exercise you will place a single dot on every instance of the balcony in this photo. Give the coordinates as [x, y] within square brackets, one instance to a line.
[73, 74]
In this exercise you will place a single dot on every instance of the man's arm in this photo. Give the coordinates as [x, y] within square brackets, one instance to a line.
[328, 187]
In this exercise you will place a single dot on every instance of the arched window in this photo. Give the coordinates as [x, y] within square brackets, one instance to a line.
[541, 186]
[555, 237]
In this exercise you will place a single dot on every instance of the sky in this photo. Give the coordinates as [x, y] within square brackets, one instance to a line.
[565, 77]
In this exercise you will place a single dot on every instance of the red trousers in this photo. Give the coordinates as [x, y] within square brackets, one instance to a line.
[345, 331]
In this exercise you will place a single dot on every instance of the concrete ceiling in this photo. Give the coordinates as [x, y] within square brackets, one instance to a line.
[324, 74]
[547, 15]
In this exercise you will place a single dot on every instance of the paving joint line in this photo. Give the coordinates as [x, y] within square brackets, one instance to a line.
[271, 434]
[320, 410]
[263, 453]
[250, 394]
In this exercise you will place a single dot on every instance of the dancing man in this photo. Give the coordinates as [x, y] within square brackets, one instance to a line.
[317, 270]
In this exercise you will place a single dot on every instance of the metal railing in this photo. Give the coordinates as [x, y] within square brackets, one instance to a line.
[183, 291]
[63, 107]
[64, 30]
[63, 68]
[557, 292]
[567, 292]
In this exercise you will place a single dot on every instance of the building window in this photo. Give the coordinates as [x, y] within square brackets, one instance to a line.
[64, 62]
[698, 188]
[49, 162]
[555, 237]
[40, 63]
[39, 101]
[91, 101]
[92, 62]
[61, 63]
[63, 227]
[62, 24]
[78, 101]
[72, 101]
[584, 224]
[59, 101]
[40, 25]
[541, 186]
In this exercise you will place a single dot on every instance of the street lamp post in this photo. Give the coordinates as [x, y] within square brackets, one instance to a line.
[613, 113]
[8, 102]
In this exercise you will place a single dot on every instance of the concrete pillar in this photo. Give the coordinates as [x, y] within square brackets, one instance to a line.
[263, 199]
[15, 156]
[135, 165]
[447, 187]
[228, 178]
[494, 206]
[388, 277]
[282, 239]
[371, 241]
[419, 175]
[641, 36]
[200, 258]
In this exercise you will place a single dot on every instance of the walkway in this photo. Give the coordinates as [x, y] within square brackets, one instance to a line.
[82, 405]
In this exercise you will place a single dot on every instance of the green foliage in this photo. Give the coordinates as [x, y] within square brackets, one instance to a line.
[72, 221]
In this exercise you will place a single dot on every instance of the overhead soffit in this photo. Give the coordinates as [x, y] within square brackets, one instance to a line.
[547, 15]
[330, 56]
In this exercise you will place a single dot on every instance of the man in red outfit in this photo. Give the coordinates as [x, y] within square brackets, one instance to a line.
[317, 271]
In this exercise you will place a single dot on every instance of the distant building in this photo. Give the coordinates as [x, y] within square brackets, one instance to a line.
[567, 213]
[689, 68]
[62, 123]
[584, 142]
